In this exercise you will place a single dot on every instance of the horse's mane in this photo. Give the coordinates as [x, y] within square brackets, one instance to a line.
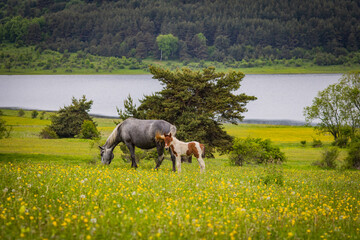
[113, 138]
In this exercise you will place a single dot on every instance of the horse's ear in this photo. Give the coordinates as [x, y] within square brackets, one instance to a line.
[101, 148]
[169, 134]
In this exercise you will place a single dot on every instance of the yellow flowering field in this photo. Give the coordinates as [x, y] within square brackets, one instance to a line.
[57, 189]
[83, 201]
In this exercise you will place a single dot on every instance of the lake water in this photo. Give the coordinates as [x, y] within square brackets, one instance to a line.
[279, 96]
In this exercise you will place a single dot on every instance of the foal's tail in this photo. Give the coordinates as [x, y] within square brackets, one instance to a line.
[159, 137]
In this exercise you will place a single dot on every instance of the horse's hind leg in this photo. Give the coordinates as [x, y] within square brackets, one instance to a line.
[160, 151]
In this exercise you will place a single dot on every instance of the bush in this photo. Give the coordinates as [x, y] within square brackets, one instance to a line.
[353, 158]
[48, 133]
[341, 142]
[42, 115]
[329, 157]
[256, 151]
[21, 113]
[88, 130]
[316, 143]
[68, 120]
[303, 143]
[5, 130]
[34, 114]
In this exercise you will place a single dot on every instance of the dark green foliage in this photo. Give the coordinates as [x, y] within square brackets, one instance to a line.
[196, 102]
[303, 143]
[88, 130]
[48, 133]
[329, 157]
[255, 151]
[129, 110]
[34, 114]
[353, 158]
[67, 122]
[42, 115]
[5, 130]
[207, 29]
[341, 142]
[21, 113]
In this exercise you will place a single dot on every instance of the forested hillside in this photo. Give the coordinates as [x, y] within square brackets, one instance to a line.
[325, 31]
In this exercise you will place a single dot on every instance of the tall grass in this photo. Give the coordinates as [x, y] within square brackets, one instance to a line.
[57, 189]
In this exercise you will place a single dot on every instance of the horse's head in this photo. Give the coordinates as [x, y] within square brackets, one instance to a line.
[167, 139]
[106, 155]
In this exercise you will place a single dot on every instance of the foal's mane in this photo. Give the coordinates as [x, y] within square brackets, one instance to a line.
[113, 138]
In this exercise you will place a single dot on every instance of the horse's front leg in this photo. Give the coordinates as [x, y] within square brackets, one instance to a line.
[160, 151]
[131, 148]
[173, 159]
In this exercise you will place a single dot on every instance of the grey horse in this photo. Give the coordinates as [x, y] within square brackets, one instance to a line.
[138, 133]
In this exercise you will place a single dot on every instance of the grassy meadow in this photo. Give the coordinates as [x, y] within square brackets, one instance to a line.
[57, 189]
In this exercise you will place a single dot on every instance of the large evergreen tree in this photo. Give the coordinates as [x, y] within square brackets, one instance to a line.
[197, 103]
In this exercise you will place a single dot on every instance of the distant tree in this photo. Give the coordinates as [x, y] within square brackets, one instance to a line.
[68, 120]
[337, 107]
[168, 45]
[21, 113]
[5, 130]
[197, 102]
[199, 46]
[34, 114]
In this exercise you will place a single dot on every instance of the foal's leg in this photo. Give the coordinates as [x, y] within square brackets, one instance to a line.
[131, 148]
[160, 151]
[201, 163]
[178, 164]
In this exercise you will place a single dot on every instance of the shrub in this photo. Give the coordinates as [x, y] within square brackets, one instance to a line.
[34, 114]
[303, 143]
[329, 157]
[21, 113]
[88, 130]
[316, 143]
[341, 142]
[5, 130]
[256, 151]
[42, 115]
[68, 120]
[48, 133]
[353, 158]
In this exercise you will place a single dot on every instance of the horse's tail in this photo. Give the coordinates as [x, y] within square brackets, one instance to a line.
[202, 146]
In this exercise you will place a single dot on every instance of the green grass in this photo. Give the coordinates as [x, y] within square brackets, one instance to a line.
[57, 189]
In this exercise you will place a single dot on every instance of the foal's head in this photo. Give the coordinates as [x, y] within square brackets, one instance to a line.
[168, 140]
